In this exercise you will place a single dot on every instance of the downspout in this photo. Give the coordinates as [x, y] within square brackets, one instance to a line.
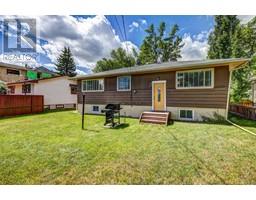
[228, 97]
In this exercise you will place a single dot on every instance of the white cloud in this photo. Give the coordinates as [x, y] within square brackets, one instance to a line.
[245, 18]
[195, 47]
[128, 46]
[143, 21]
[90, 39]
[133, 26]
[80, 72]
[137, 25]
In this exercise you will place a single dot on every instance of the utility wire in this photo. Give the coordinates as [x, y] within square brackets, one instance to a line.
[125, 36]
[119, 28]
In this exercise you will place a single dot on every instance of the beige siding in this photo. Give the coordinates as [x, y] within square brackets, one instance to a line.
[11, 77]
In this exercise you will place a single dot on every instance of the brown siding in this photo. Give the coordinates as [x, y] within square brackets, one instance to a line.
[142, 91]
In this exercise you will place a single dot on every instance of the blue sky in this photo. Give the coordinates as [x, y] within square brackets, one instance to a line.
[188, 24]
[93, 37]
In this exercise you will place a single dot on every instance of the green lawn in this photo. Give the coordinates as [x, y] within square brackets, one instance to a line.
[51, 148]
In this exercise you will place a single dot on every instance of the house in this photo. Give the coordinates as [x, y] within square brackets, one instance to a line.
[11, 73]
[189, 90]
[57, 91]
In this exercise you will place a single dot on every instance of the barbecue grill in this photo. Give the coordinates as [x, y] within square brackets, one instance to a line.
[112, 112]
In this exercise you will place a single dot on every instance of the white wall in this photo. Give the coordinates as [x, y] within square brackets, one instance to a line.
[18, 89]
[135, 111]
[55, 90]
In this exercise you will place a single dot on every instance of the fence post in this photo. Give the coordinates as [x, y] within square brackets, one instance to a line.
[83, 112]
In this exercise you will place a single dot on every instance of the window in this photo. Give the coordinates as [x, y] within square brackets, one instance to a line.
[11, 89]
[13, 71]
[95, 108]
[93, 85]
[158, 94]
[26, 88]
[73, 89]
[186, 114]
[123, 83]
[195, 79]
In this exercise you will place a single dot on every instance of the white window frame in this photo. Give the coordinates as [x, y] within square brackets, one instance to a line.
[117, 84]
[187, 119]
[82, 83]
[194, 87]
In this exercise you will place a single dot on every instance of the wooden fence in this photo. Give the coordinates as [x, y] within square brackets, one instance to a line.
[248, 112]
[20, 104]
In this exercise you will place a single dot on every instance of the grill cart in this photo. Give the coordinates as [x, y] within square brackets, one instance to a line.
[112, 115]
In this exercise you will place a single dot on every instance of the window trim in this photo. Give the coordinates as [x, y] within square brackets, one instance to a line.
[117, 84]
[8, 72]
[187, 119]
[93, 111]
[22, 91]
[93, 90]
[194, 87]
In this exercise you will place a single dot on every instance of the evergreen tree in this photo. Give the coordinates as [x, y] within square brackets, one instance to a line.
[65, 63]
[220, 40]
[173, 45]
[119, 59]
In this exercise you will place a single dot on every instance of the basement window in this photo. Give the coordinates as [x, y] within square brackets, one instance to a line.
[95, 109]
[186, 114]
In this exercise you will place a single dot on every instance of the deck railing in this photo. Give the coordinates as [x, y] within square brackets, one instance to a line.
[248, 112]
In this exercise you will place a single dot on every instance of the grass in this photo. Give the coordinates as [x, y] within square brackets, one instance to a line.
[248, 124]
[51, 148]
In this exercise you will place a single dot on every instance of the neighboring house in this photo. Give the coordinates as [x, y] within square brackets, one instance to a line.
[190, 90]
[254, 90]
[56, 90]
[40, 73]
[11, 73]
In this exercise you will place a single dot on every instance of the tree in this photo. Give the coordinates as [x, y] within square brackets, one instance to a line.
[155, 46]
[220, 40]
[244, 45]
[65, 63]
[230, 39]
[2, 88]
[173, 45]
[119, 58]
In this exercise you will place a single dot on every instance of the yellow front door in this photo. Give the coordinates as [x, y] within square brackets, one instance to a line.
[159, 96]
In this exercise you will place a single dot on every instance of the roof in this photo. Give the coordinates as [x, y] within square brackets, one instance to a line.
[167, 66]
[45, 70]
[19, 67]
[7, 65]
[34, 81]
